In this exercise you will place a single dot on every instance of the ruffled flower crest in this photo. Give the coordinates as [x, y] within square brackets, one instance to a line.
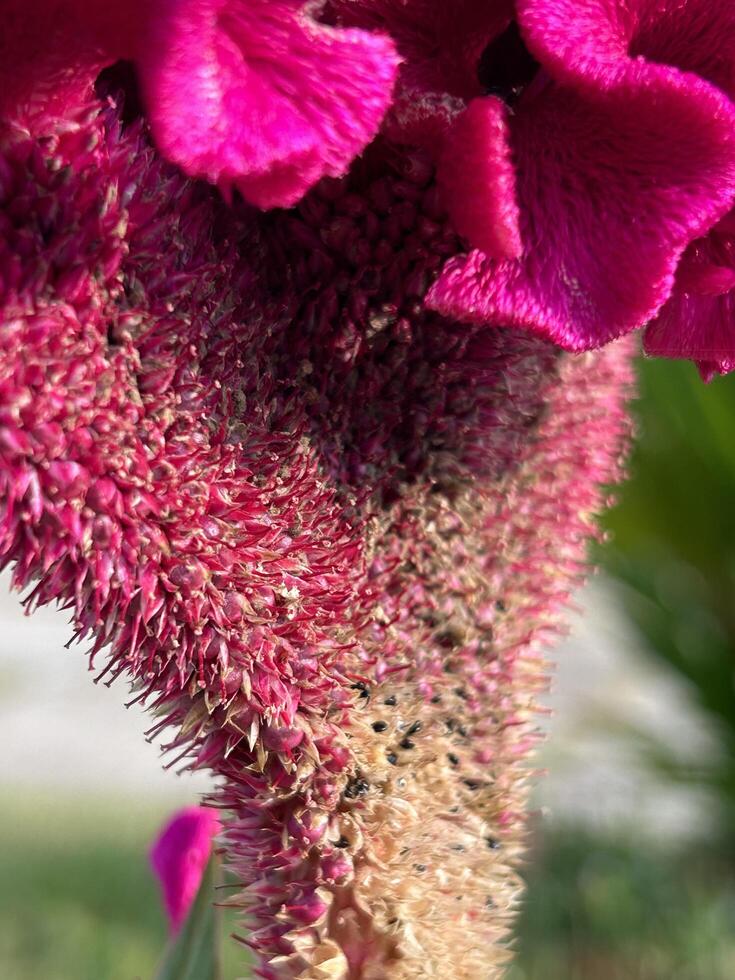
[698, 321]
[599, 146]
[254, 94]
[623, 157]
[247, 94]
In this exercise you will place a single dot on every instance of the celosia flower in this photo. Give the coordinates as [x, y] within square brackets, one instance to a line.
[602, 145]
[179, 857]
[323, 529]
[252, 94]
[698, 321]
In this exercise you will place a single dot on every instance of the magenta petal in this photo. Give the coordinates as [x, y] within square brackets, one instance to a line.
[710, 369]
[477, 179]
[179, 857]
[698, 327]
[256, 95]
[611, 191]
[590, 42]
[698, 321]
[706, 280]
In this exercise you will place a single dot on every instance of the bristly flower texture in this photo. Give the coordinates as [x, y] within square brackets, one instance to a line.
[319, 479]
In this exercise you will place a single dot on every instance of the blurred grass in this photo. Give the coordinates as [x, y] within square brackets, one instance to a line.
[77, 898]
[77, 902]
[621, 910]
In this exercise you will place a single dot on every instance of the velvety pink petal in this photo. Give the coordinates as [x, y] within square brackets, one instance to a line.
[254, 94]
[179, 858]
[441, 42]
[707, 268]
[711, 369]
[698, 321]
[477, 179]
[611, 191]
[591, 41]
[697, 327]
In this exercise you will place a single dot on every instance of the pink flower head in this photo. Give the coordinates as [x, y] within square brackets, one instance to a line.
[250, 94]
[698, 321]
[602, 145]
[255, 94]
[179, 857]
[323, 529]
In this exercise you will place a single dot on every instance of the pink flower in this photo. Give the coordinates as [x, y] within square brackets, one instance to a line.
[603, 145]
[180, 856]
[251, 94]
[698, 321]
[324, 530]
[255, 94]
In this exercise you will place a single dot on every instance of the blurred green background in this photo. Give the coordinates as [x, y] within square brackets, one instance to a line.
[607, 900]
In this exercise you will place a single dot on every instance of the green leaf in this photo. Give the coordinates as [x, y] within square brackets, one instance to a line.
[194, 954]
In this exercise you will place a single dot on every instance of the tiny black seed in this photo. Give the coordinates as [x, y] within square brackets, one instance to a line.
[379, 726]
[420, 868]
[450, 723]
[359, 686]
[461, 730]
[356, 787]
[500, 605]
[342, 842]
[471, 784]
[489, 903]
[392, 758]
[416, 727]
[453, 759]
[457, 847]
[461, 693]
[391, 701]
[392, 922]
[364, 694]
[492, 843]
[436, 699]
[407, 743]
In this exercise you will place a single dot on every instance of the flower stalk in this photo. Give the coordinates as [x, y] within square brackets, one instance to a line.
[319, 480]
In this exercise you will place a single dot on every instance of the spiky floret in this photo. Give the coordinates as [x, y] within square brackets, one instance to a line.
[323, 530]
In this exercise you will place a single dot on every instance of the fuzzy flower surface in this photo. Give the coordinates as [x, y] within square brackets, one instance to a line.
[318, 480]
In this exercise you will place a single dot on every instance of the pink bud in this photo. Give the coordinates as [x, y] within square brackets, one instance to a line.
[179, 857]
